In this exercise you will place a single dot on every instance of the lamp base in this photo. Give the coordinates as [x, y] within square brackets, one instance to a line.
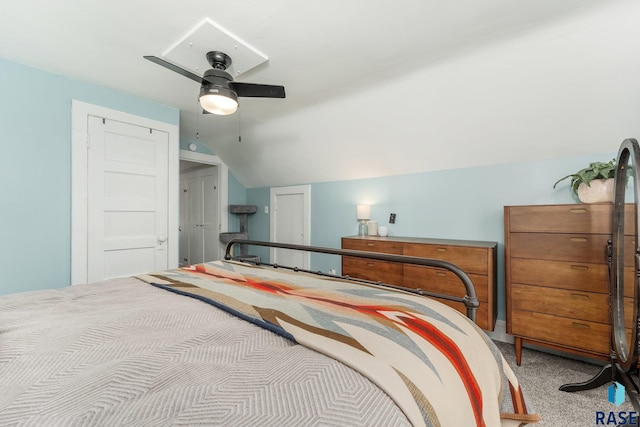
[363, 229]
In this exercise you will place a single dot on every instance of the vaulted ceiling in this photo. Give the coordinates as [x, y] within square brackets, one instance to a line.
[374, 87]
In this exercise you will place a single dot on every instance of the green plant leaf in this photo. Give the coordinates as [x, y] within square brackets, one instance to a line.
[595, 170]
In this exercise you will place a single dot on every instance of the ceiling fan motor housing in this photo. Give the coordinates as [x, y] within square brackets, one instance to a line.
[216, 80]
[219, 60]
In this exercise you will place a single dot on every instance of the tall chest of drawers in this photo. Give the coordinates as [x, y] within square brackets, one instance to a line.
[556, 275]
[476, 258]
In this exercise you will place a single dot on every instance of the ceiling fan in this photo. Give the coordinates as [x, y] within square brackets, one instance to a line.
[218, 92]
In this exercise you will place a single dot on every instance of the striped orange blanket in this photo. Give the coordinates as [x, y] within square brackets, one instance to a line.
[438, 366]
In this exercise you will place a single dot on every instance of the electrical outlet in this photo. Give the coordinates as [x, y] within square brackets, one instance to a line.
[332, 271]
[392, 218]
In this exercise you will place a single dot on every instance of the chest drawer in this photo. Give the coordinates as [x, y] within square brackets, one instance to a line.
[443, 281]
[578, 334]
[563, 302]
[581, 276]
[593, 218]
[372, 246]
[469, 259]
[377, 271]
[585, 277]
[589, 248]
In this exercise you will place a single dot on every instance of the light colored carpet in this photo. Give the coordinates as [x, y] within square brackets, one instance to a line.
[541, 374]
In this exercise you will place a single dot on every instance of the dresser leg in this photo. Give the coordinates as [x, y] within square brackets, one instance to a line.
[518, 345]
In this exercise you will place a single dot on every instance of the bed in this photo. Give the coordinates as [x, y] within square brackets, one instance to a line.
[228, 343]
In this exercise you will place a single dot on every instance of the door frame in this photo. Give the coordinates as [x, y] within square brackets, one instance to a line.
[80, 111]
[305, 190]
[223, 188]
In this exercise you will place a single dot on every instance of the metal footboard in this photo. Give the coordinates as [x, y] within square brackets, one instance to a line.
[470, 300]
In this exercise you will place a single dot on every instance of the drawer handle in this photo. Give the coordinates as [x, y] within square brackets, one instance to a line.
[580, 267]
[579, 325]
[580, 296]
[579, 239]
[369, 264]
[371, 244]
[441, 274]
[441, 249]
[578, 211]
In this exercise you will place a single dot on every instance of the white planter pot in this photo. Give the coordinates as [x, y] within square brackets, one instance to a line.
[598, 191]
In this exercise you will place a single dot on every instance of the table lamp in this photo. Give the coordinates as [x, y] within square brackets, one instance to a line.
[363, 213]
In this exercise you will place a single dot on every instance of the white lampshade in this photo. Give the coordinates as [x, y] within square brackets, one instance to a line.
[363, 212]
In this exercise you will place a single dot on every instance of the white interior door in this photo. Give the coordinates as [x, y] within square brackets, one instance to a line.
[127, 199]
[290, 223]
[199, 216]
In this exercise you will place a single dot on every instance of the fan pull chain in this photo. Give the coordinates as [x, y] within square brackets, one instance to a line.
[197, 120]
[239, 117]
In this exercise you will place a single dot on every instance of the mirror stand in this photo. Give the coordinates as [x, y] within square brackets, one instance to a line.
[623, 366]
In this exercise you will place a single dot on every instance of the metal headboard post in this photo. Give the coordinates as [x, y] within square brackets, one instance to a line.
[470, 300]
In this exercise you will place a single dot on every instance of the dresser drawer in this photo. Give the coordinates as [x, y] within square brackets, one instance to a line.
[377, 271]
[560, 247]
[593, 218]
[370, 245]
[589, 248]
[582, 276]
[585, 277]
[443, 281]
[469, 259]
[566, 303]
[483, 319]
[578, 334]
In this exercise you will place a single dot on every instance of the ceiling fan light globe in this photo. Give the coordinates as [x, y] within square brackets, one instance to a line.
[218, 104]
[218, 100]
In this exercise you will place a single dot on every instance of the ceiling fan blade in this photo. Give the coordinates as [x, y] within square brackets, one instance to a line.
[175, 68]
[255, 90]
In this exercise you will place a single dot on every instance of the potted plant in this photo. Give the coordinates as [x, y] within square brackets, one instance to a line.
[594, 183]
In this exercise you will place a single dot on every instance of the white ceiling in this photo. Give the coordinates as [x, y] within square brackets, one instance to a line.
[436, 65]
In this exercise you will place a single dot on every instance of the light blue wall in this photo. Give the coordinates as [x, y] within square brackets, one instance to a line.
[462, 204]
[259, 223]
[201, 147]
[237, 196]
[35, 170]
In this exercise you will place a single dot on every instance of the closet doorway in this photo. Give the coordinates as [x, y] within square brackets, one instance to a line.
[203, 207]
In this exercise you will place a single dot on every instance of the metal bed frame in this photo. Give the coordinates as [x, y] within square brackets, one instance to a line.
[470, 300]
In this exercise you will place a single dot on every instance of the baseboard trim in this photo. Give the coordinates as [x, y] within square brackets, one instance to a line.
[499, 333]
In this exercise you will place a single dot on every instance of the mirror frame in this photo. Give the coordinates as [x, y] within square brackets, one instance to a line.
[626, 353]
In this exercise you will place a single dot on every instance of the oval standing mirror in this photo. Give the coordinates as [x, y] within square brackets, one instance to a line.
[624, 257]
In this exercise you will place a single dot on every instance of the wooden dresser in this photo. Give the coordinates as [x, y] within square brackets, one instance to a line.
[476, 258]
[556, 275]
